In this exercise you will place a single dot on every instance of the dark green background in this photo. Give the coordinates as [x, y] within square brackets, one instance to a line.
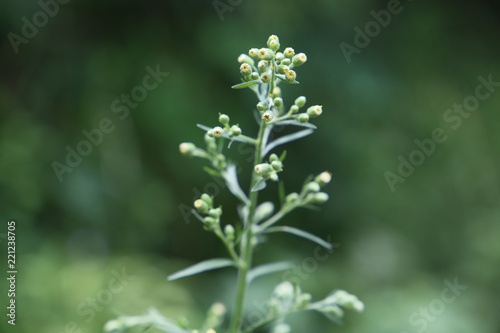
[120, 207]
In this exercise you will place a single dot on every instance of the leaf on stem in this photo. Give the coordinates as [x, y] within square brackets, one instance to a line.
[246, 84]
[301, 233]
[232, 183]
[201, 267]
[263, 211]
[286, 139]
[270, 268]
[260, 185]
[293, 122]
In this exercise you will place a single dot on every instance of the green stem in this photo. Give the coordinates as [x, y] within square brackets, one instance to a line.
[246, 249]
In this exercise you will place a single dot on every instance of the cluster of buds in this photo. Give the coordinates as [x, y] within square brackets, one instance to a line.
[311, 192]
[226, 128]
[286, 297]
[270, 62]
[205, 206]
[334, 305]
[270, 170]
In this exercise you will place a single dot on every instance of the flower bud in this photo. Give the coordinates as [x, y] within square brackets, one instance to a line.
[209, 221]
[235, 130]
[263, 169]
[254, 76]
[294, 108]
[303, 117]
[299, 59]
[286, 62]
[323, 178]
[278, 166]
[224, 119]
[282, 69]
[262, 66]
[229, 231]
[314, 111]
[292, 197]
[187, 148]
[201, 206]
[273, 158]
[300, 101]
[317, 198]
[289, 52]
[266, 54]
[254, 53]
[218, 131]
[279, 56]
[267, 116]
[262, 106]
[244, 59]
[313, 187]
[266, 78]
[290, 76]
[273, 42]
[208, 199]
[278, 102]
[277, 92]
[216, 213]
[245, 69]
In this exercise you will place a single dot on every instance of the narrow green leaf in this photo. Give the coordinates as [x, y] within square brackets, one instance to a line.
[301, 233]
[285, 139]
[201, 267]
[260, 185]
[270, 268]
[245, 84]
[211, 171]
[283, 156]
[282, 192]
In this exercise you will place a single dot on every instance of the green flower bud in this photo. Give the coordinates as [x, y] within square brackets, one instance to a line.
[276, 92]
[217, 131]
[201, 206]
[300, 101]
[254, 53]
[299, 59]
[266, 54]
[224, 119]
[267, 116]
[209, 221]
[274, 176]
[289, 52]
[279, 56]
[216, 213]
[265, 77]
[278, 102]
[292, 197]
[229, 231]
[290, 76]
[303, 300]
[262, 66]
[313, 187]
[294, 108]
[317, 198]
[282, 69]
[273, 42]
[262, 106]
[263, 169]
[278, 166]
[286, 62]
[244, 59]
[235, 130]
[273, 158]
[187, 148]
[208, 199]
[303, 117]
[254, 76]
[323, 178]
[220, 161]
[314, 111]
[245, 69]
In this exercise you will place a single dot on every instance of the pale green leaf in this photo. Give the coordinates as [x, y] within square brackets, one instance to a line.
[301, 233]
[201, 267]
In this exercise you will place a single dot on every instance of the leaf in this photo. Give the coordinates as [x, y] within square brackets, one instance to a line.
[285, 139]
[201, 267]
[232, 183]
[293, 122]
[263, 211]
[162, 323]
[245, 84]
[283, 156]
[270, 268]
[211, 171]
[260, 185]
[282, 193]
[301, 233]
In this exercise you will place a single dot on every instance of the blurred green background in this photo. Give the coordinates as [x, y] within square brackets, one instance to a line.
[119, 209]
